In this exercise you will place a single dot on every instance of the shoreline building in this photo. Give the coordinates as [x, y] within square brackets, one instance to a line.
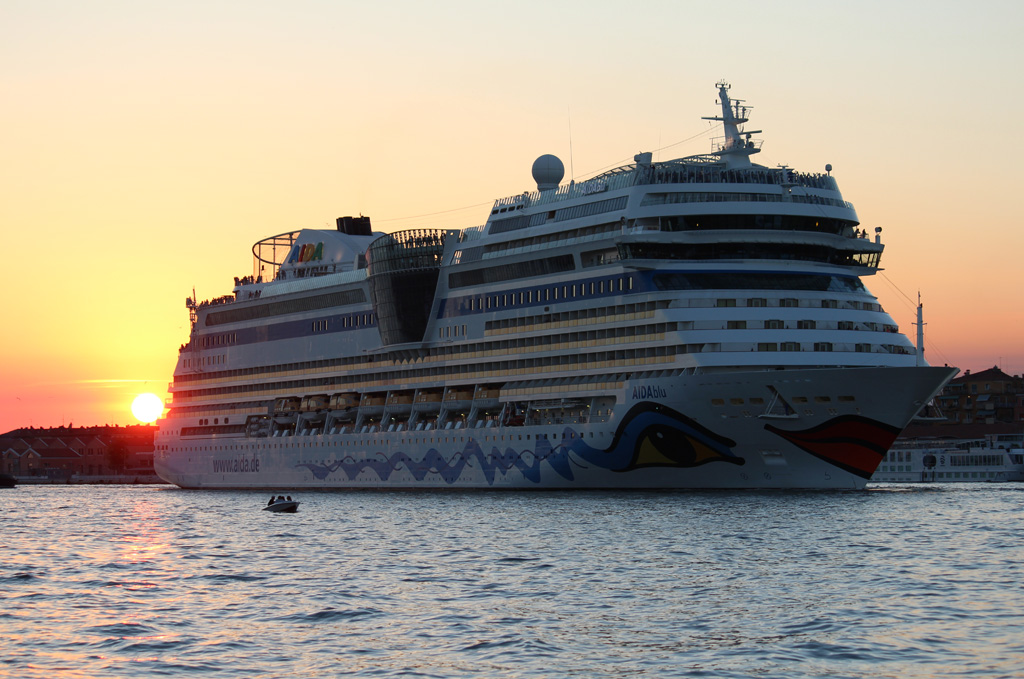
[81, 454]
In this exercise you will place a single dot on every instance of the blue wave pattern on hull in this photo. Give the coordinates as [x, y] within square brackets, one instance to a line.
[435, 463]
[651, 435]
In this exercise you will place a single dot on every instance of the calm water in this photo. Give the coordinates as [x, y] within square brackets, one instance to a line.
[151, 581]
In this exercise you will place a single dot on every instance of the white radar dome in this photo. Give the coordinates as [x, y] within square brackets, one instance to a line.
[548, 172]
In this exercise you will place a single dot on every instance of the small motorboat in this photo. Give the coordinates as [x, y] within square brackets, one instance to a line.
[7, 481]
[289, 506]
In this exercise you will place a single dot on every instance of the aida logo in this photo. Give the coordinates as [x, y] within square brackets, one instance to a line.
[644, 391]
[306, 253]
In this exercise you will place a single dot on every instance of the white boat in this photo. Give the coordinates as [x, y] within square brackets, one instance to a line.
[286, 506]
[692, 323]
[994, 458]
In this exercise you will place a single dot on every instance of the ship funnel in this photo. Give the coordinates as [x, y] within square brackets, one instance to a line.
[355, 226]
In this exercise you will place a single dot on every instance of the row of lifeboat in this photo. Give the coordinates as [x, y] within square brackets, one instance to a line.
[455, 407]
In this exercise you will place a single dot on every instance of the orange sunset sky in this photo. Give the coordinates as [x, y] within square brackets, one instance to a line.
[145, 146]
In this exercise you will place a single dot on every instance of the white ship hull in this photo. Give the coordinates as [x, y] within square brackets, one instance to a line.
[668, 433]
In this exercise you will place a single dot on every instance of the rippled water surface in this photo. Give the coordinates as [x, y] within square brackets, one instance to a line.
[143, 581]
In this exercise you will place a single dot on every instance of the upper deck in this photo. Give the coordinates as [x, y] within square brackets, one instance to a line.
[691, 170]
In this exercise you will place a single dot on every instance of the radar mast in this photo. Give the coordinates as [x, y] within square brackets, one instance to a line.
[737, 147]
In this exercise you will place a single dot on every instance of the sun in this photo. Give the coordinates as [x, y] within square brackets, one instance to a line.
[147, 407]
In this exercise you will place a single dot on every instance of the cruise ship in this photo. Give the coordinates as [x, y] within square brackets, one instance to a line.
[692, 323]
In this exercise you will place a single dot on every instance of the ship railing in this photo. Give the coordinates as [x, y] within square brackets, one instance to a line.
[680, 171]
[546, 421]
[284, 287]
[568, 191]
[720, 143]
[505, 252]
[471, 233]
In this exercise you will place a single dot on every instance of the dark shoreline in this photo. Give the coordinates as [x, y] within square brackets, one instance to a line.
[111, 480]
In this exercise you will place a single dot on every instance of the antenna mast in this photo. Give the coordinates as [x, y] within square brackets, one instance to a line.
[572, 172]
[920, 330]
[738, 145]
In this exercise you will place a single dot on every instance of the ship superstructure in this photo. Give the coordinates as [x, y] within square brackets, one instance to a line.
[695, 323]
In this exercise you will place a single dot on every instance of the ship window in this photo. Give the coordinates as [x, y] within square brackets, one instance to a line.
[790, 346]
[829, 304]
[823, 346]
[737, 325]
[805, 325]
[767, 346]
[757, 301]
[789, 302]
[822, 399]
[725, 302]
[718, 401]
[774, 325]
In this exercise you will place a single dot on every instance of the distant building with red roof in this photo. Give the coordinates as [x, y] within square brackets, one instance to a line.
[988, 397]
[78, 452]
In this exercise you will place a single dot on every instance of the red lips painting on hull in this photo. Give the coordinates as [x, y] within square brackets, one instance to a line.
[854, 443]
